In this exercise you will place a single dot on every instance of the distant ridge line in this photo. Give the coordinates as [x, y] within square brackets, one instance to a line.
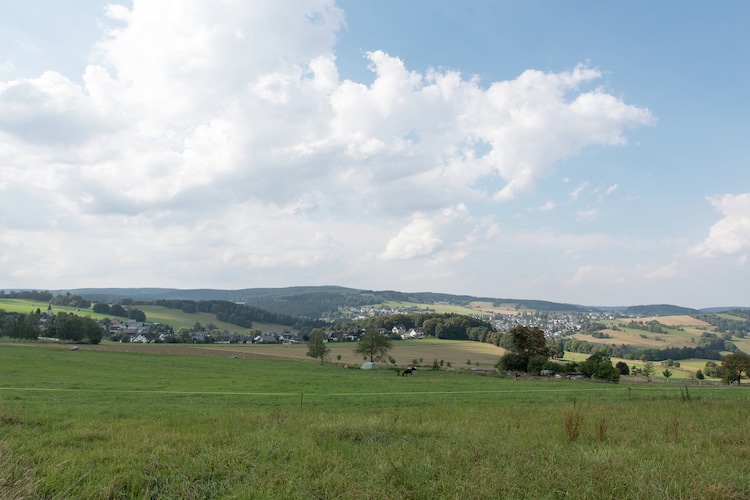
[269, 294]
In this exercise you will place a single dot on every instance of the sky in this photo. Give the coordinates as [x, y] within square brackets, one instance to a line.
[586, 152]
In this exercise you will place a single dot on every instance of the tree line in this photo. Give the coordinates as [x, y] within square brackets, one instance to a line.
[652, 326]
[40, 295]
[530, 353]
[62, 326]
[119, 311]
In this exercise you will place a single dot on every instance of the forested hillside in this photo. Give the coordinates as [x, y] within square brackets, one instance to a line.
[659, 310]
[311, 302]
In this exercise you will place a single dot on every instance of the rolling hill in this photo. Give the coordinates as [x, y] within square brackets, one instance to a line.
[310, 301]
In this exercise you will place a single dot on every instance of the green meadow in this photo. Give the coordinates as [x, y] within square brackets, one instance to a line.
[98, 423]
[176, 318]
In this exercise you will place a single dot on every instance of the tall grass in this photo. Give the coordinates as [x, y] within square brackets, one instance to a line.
[124, 425]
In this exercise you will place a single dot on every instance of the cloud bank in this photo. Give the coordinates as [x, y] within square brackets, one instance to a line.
[215, 144]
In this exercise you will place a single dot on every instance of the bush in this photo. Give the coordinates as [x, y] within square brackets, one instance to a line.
[536, 364]
[513, 362]
[599, 366]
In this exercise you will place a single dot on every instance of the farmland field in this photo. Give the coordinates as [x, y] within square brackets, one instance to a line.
[680, 331]
[154, 314]
[113, 424]
[681, 320]
[453, 352]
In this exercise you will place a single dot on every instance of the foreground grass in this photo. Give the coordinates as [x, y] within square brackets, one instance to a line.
[97, 424]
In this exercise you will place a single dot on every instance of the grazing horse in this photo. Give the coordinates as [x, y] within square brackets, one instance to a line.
[408, 371]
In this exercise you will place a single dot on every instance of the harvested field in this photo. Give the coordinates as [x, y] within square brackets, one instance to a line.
[633, 338]
[683, 320]
[457, 353]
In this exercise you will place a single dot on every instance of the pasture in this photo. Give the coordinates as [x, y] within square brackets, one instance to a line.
[114, 424]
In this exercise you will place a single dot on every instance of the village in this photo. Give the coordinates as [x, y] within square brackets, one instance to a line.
[556, 326]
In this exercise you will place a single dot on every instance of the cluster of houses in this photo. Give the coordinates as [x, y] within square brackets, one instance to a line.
[359, 313]
[411, 333]
[555, 325]
[129, 327]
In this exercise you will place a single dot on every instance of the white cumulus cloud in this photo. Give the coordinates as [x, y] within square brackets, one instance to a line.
[205, 129]
[731, 235]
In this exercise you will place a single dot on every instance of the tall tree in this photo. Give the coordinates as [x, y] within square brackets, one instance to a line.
[734, 365]
[317, 348]
[524, 343]
[373, 345]
[529, 342]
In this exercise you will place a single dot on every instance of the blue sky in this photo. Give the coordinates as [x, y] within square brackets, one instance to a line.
[584, 152]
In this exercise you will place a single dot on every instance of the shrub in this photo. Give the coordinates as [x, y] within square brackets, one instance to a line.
[536, 364]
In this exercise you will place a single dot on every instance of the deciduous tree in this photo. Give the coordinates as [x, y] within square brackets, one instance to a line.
[373, 345]
[600, 366]
[734, 365]
[529, 341]
[317, 348]
[524, 343]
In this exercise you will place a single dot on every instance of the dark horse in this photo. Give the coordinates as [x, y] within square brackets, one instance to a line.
[408, 371]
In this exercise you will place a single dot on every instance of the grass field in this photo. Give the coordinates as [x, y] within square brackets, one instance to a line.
[154, 314]
[24, 306]
[455, 353]
[108, 424]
